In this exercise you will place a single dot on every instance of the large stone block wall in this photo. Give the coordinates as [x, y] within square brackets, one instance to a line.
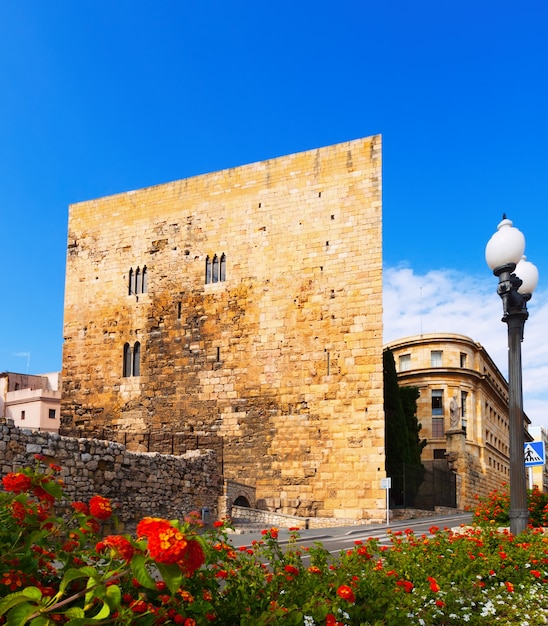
[141, 484]
[283, 359]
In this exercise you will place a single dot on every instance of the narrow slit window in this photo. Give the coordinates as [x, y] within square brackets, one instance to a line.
[144, 280]
[215, 270]
[127, 361]
[222, 268]
[131, 282]
[138, 284]
[208, 270]
[136, 361]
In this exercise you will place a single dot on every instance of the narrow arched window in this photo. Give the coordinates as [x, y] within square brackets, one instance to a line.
[127, 361]
[137, 359]
[208, 270]
[215, 270]
[138, 285]
[131, 283]
[144, 280]
[222, 268]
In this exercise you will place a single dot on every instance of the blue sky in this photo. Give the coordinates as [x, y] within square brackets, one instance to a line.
[103, 96]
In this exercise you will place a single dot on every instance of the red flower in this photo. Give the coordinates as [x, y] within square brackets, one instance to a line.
[193, 557]
[291, 569]
[100, 507]
[18, 511]
[509, 587]
[17, 482]
[119, 546]
[80, 507]
[346, 593]
[406, 584]
[433, 584]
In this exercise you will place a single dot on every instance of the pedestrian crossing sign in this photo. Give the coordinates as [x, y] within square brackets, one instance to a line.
[533, 452]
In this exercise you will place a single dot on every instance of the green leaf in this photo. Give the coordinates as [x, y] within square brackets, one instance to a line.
[19, 614]
[103, 613]
[41, 620]
[114, 596]
[13, 599]
[172, 576]
[53, 488]
[75, 611]
[74, 574]
[139, 570]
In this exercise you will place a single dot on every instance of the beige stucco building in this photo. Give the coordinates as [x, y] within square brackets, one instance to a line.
[31, 401]
[245, 305]
[463, 408]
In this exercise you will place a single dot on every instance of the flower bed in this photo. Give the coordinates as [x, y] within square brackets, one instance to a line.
[67, 569]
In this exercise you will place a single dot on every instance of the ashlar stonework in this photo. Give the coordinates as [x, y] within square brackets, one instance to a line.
[244, 304]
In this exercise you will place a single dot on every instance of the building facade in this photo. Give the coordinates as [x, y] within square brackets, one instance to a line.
[462, 408]
[244, 305]
[31, 401]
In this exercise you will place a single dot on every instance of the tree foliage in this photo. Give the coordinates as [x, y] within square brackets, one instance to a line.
[402, 441]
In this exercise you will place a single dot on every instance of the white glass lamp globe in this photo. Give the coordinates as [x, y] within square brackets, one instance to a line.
[505, 246]
[528, 274]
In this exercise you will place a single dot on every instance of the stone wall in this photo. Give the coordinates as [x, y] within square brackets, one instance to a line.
[142, 484]
[281, 358]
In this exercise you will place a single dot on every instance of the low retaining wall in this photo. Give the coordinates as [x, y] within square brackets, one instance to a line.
[141, 483]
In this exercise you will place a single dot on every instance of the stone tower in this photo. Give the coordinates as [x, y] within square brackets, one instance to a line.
[244, 304]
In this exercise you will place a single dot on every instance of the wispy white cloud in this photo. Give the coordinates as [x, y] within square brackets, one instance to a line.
[447, 301]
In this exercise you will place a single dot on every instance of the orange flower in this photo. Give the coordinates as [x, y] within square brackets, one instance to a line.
[100, 507]
[509, 587]
[346, 593]
[433, 584]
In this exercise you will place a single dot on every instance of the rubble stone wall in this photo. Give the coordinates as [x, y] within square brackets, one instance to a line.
[142, 484]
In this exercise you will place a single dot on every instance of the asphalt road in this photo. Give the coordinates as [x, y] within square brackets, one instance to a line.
[344, 537]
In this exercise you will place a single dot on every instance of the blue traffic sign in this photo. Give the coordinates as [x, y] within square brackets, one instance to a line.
[533, 452]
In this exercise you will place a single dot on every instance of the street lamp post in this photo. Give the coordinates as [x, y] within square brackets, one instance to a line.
[518, 279]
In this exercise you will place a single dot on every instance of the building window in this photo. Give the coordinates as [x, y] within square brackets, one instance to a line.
[405, 362]
[22, 415]
[132, 360]
[138, 281]
[52, 414]
[128, 367]
[208, 270]
[215, 269]
[463, 356]
[437, 401]
[435, 358]
[438, 427]
[144, 280]
[137, 359]
[222, 268]
[439, 453]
